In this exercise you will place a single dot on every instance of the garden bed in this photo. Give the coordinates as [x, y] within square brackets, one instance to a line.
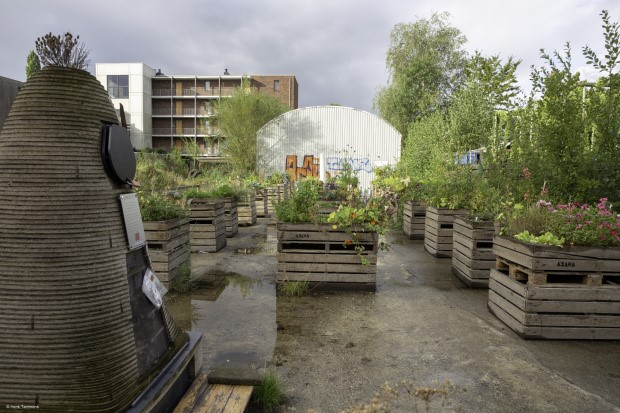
[556, 293]
[168, 244]
[414, 216]
[472, 250]
[325, 257]
[207, 225]
[438, 230]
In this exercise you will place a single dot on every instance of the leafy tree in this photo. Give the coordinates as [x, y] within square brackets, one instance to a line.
[425, 61]
[33, 64]
[496, 79]
[603, 100]
[63, 51]
[470, 118]
[239, 119]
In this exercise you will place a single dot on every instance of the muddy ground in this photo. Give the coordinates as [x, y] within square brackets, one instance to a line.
[422, 328]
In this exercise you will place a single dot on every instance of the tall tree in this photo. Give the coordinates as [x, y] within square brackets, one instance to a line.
[33, 64]
[425, 62]
[63, 51]
[496, 79]
[239, 118]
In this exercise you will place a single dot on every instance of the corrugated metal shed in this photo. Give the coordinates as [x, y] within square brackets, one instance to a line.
[294, 142]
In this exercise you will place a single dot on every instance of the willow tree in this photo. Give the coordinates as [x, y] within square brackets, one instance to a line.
[425, 62]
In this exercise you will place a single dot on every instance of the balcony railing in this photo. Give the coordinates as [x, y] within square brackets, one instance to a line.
[197, 91]
[162, 111]
[162, 92]
[162, 131]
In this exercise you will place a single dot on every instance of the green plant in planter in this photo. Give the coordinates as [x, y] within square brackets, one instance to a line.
[564, 224]
[302, 205]
[159, 207]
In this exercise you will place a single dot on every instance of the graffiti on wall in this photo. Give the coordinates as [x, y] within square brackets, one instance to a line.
[334, 164]
[357, 164]
[310, 167]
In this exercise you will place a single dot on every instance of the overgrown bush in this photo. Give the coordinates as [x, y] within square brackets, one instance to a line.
[159, 207]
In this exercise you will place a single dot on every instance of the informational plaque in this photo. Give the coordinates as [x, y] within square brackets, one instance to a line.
[133, 221]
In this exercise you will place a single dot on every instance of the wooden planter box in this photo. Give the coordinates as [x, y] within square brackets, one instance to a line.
[556, 293]
[319, 254]
[438, 229]
[246, 210]
[262, 203]
[230, 216]
[207, 225]
[168, 245]
[472, 250]
[414, 217]
[275, 194]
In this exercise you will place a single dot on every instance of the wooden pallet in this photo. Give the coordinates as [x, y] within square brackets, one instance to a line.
[414, 216]
[203, 397]
[207, 237]
[207, 225]
[230, 217]
[541, 264]
[556, 311]
[321, 255]
[472, 251]
[438, 229]
[168, 245]
[262, 203]
[246, 211]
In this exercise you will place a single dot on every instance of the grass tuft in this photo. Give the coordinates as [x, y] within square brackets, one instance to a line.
[294, 288]
[270, 395]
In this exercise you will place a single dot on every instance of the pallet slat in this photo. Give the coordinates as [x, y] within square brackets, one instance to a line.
[555, 311]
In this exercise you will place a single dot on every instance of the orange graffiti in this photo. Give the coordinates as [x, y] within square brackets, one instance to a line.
[310, 167]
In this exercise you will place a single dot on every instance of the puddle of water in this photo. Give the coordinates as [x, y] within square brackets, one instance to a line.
[237, 316]
[267, 245]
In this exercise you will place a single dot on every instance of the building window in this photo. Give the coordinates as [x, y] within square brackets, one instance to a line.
[118, 86]
[276, 85]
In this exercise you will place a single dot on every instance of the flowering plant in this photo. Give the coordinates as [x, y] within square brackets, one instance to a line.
[572, 224]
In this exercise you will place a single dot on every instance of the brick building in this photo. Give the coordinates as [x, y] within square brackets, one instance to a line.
[164, 111]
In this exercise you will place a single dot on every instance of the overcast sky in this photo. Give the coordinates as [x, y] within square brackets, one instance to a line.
[335, 48]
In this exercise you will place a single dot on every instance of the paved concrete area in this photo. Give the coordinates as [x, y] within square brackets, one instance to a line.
[422, 329]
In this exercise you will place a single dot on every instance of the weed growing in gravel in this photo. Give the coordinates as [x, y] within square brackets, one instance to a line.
[269, 395]
[294, 288]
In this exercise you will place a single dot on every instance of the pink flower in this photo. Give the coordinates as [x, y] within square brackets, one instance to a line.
[603, 200]
[614, 233]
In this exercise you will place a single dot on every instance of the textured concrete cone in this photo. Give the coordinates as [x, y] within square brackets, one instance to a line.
[72, 333]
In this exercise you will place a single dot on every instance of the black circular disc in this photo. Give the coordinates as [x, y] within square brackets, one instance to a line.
[119, 157]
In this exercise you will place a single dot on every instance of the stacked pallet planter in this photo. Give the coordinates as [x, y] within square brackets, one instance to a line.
[262, 203]
[438, 229]
[414, 216]
[556, 293]
[207, 225]
[325, 257]
[327, 207]
[472, 250]
[276, 193]
[230, 216]
[168, 244]
[246, 210]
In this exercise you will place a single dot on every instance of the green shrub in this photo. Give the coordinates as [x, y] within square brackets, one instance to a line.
[302, 205]
[158, 207]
